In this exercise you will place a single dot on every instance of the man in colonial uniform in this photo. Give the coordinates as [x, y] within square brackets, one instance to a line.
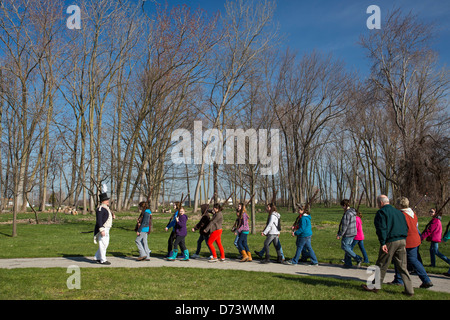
[104, 218]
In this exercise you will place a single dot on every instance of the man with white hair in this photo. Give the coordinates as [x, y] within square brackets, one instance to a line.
[392, 230]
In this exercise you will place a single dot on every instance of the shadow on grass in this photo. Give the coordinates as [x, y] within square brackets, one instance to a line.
[328, 281]
[346, 283]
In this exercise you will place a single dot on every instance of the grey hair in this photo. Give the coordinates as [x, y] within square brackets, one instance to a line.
[383, 199]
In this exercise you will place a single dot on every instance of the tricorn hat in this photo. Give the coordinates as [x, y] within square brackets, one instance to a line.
[103, 197]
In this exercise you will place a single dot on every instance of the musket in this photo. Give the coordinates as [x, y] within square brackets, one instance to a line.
[183, 199]
[421, 199]
[226, 201]
[310, 202]
[251, 198]
[439, 212]
[360, 199]
[307, 208]
[209, 202]
[351, 196]
[178, 206]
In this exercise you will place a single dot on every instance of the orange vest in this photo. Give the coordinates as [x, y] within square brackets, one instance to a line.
[413, 238]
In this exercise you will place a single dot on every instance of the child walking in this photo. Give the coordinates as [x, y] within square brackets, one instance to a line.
[242, 232]
[181, 233]
[359, 238]
[215, 229]
[171, 225]
[347, 232]
[303, 231]
[201, 226]
[433, 234]
[143, 228]
[272, 232]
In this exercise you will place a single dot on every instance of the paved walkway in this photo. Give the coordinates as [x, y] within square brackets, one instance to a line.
[441, 283]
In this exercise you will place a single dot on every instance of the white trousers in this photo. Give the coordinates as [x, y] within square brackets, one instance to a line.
[103, 243]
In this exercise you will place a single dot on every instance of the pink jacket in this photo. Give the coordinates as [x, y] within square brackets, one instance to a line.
[359, 229]
[434, 231]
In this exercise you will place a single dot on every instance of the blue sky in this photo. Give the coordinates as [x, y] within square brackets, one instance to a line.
[336, 25]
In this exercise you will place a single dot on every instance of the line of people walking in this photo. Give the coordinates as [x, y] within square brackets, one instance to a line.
[396, 229]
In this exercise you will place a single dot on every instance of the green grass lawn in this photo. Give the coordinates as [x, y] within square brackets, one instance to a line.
[189, 284]
[67, 238]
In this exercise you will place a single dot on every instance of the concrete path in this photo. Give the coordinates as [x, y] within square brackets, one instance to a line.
[441, 282]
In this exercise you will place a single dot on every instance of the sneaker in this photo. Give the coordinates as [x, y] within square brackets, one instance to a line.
[210, 257]
[213, 260]
[222, 260]
[141, 258]
[195, 256]
[314, 264]
[107, 263]
[426, 285]
[289, 263]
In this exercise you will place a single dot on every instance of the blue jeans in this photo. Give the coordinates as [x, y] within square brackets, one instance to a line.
[413, 261]
[360, 244]
[142, 244]
[236, 240]
[346, 245]
[304, 242]
[202, 238]
[277, 246]
[242, 242]
[434, 251]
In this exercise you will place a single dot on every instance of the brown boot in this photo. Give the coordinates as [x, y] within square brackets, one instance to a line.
[244, 256]
[249, 256]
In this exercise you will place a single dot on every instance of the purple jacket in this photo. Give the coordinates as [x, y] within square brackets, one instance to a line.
[244, 225]
[434, 231]
[180, 227]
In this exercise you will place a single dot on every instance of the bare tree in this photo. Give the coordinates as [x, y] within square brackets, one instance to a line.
[307, 96]
[247, 33]
[405, 76]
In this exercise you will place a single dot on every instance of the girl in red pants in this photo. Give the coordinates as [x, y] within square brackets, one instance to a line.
[215, 228]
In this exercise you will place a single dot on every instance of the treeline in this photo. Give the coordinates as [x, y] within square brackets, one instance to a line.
[98, 105]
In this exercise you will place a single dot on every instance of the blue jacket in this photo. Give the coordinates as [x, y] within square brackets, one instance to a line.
[304, 227]
[145, 224]
[173, 222]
